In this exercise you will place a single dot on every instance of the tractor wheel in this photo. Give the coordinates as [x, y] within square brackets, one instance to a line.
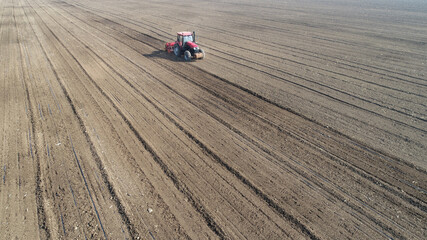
[177, 50]
[203, 53]
[187, 55]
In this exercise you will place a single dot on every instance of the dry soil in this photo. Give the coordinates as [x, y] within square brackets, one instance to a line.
[306, 120]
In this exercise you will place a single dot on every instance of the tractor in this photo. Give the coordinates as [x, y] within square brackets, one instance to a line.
[185, 44]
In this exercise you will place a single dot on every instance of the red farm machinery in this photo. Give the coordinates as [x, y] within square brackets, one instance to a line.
[185, 44]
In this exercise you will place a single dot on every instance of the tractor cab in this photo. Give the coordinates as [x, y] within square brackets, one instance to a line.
[184, 37]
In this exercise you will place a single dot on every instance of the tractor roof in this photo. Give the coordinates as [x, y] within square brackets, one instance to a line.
[184, 33]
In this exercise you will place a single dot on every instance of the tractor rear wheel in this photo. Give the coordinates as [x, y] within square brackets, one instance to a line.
[177, 50]
[187, 55]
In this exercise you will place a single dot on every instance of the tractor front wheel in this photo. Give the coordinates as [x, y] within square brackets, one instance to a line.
[187, 55]
[177, 50]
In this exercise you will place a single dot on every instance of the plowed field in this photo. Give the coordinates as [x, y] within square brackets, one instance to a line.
[306, 120]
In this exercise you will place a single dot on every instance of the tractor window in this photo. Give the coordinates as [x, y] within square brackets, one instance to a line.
[187, 38]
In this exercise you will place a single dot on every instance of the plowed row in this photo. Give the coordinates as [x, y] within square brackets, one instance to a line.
[302, 122]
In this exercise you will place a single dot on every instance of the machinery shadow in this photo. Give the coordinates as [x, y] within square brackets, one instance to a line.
[164, 55]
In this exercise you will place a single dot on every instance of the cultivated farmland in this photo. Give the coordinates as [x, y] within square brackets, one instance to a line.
[306, 120]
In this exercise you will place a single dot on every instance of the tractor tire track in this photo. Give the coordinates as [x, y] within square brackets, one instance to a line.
[41, 213]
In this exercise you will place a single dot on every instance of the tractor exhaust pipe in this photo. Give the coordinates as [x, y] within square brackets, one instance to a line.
[194, 36]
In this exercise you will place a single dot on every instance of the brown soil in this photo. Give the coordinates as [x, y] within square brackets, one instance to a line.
[307, 119]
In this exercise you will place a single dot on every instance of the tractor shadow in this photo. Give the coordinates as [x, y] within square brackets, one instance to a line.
[164, 55]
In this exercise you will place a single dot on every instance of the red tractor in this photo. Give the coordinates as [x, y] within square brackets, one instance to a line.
[185, 44]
